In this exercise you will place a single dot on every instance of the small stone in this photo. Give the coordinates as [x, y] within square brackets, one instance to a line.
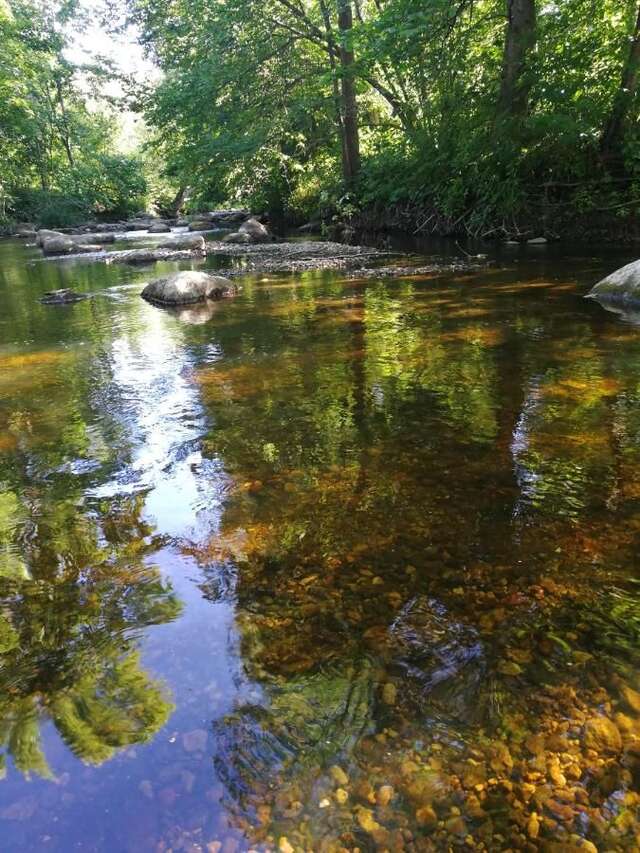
[602, 735]
[367, 821]
[426, 816]
[574, 772]
[389, 693]
[338, 775]
[263, 813]
[324, 803]
[214, 846]
[509, 667]
[284, 846]
[533, 826]
[631, 698]
[559, 810]
[385, 795]
[456, 826]
[341, 796]
[581, 845]
[556, 775]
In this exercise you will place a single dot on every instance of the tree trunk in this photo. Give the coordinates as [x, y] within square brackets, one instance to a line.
[613, 133]
[178, 201]
[66, 134]
[351, 140]
[519, 42]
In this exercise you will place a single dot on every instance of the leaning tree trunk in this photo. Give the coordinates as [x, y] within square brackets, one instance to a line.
[351, 139]
[178, 201]
[519, 42]
[613, 133]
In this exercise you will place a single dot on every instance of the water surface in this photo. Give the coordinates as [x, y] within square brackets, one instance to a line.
[334, 565]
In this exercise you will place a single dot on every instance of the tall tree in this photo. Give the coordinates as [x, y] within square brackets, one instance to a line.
[520, 40]
[613, 133]
[351, 164]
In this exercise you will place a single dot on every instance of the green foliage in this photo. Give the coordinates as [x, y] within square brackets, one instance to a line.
[247, 108]
[58, 158]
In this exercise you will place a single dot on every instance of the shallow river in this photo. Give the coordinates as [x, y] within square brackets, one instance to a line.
[334, 565]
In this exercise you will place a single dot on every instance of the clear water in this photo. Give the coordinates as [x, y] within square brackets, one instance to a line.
[333, 565]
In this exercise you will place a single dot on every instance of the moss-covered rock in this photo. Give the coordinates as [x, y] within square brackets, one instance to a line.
[622, 286]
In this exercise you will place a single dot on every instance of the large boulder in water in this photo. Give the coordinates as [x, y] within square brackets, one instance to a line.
[46, 234]
[92, 239]
[184, 241]
[256, 231]
[250, 231]
[184, 288]
[66, 246]
[622, 286]
[159, 228]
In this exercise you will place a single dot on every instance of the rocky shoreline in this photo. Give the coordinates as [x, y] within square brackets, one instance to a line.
[299, 256]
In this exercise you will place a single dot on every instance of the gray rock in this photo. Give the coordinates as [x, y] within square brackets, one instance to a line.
[622, 286]
[92, 239]
[184, 288]
[159, 228]
[237, 237]
[46, 234]
[232, 216]
[250, 231]
[184, 241]
[64, 296]
[537, 241]
[201, 225]
[66, 246]
[149, 256]
[256, 231]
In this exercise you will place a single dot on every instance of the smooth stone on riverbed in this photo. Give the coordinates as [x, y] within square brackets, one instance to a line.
[623, 285]
[159, 228]
[602, 735]
[183, 288]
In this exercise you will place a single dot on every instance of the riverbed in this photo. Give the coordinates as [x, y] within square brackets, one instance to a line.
[340, 563]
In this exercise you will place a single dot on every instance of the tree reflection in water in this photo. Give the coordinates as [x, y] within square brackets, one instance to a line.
[69, 625]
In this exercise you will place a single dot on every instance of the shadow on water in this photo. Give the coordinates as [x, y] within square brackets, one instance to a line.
[336, 564]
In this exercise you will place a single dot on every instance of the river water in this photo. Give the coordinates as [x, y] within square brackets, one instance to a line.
[336, 564]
